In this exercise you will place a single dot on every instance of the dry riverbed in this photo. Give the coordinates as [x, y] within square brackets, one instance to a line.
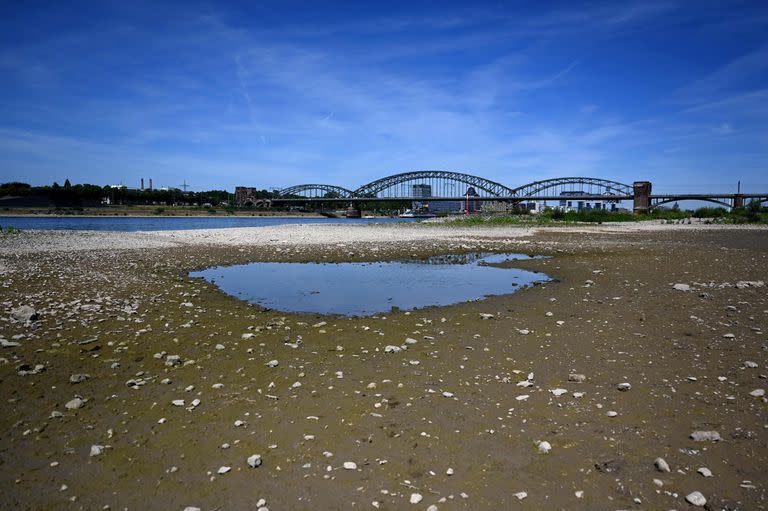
[128, 385]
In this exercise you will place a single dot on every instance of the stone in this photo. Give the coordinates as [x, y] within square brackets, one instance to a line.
[682, 287]
[578, 378]
[223, 470]
[410, 341]
[661, 465]
[749, 283]
[696, 499]
[520, 495]
[97, 450]
[757, 393]
[624, 386]
[24, 314]
[177, 402]
[254, 460]
[705, 472]
[487, 316]
[273, 363]
[350, 465]
[74, 404]
[610, 466]
[392, 349]
[78, 378]
[612, 414]
[544, 447]
[558, 392]
[750, 365]
[416, 498]
[172, 360]
[705, 436]
[447, 394]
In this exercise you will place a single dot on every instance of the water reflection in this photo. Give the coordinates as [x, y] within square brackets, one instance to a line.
[363, 289]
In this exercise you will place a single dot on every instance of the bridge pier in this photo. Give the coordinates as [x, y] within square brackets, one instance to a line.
[738, 201]
[353, 211]
[642, 192]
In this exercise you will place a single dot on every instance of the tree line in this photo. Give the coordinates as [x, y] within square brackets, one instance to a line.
[88, 193]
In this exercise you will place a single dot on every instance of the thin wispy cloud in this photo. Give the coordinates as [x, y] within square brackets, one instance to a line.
[274, 96]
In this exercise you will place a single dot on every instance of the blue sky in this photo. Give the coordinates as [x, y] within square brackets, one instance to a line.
[271, 94]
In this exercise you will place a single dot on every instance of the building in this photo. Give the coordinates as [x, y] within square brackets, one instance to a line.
[450, 207]
[245, 195]
[577, 205]
[421, 191]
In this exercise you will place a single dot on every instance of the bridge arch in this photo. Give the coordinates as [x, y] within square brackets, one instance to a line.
[315, 190]
[593, 185]
[681, 199]
[442, 179]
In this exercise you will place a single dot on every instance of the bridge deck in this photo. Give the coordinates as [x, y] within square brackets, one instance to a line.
[532, 198]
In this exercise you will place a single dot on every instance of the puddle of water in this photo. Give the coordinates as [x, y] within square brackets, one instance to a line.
[364, 289]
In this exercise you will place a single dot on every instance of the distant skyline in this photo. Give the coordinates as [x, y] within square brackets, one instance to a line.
[277, 93]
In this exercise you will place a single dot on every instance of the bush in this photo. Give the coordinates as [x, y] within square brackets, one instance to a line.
[710, 213]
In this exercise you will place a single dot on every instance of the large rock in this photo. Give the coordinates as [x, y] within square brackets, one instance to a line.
[24, 314]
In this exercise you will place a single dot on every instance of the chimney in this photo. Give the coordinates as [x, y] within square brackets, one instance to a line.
[142, 183]
[150, 184]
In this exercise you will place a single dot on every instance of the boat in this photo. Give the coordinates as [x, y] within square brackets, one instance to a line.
[416, 214]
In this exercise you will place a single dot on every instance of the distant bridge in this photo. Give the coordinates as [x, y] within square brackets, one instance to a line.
[441, 185]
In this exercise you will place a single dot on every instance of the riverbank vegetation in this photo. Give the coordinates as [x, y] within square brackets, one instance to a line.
[752, 213]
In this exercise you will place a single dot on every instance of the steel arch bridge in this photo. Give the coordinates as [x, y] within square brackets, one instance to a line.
[442, 183]
[660, 201]
[583, 185]
[315, 190]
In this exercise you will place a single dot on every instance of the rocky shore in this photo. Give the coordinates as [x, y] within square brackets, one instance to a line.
[634, 380]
